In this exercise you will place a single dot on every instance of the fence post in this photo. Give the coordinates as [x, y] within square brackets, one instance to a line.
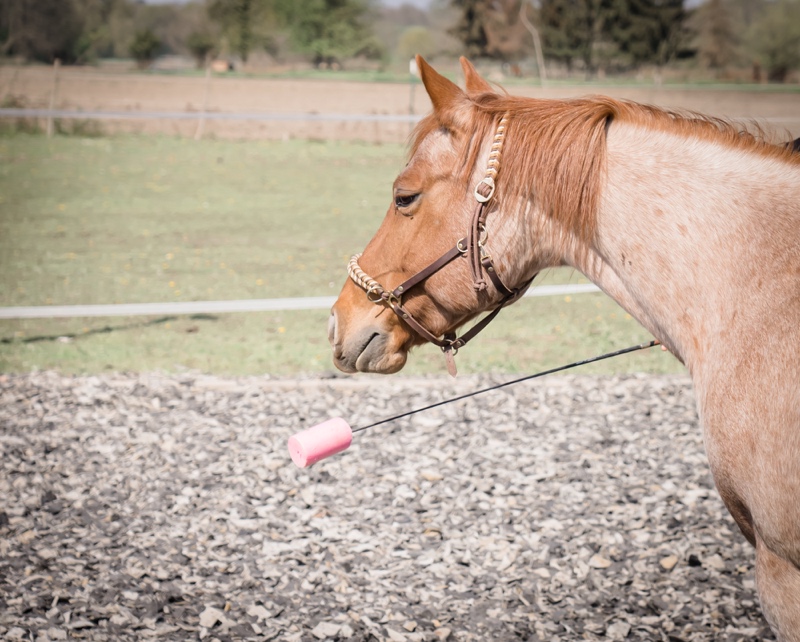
[53, 94]
[198, 134]
[413, 72]
[7, 93]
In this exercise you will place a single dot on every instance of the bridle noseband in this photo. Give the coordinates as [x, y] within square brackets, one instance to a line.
[472, 246]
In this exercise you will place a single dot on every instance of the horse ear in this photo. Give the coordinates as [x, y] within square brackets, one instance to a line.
[475, 84]
[444, 94]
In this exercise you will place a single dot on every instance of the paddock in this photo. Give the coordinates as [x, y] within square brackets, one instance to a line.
[166, 506]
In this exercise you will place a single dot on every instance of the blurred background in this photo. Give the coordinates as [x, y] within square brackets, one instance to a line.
[742, 40]
[198, 152]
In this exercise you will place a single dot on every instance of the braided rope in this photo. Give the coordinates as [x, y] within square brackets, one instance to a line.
[362, 280]
[371, 286]
[493, 165]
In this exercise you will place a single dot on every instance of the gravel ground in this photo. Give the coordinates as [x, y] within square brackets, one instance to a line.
[571, 508]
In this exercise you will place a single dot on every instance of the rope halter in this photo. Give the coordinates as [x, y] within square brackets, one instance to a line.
[471, 246]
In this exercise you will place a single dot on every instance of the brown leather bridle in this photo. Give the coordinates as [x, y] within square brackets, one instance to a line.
[473, 247]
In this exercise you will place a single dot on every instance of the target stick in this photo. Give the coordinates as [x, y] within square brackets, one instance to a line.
[335, 435]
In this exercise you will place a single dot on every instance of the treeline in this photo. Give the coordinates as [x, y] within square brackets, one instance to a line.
[622, 35]
[608, 36]
[82, 31]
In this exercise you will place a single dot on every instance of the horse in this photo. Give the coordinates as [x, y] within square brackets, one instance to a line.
[689, 223]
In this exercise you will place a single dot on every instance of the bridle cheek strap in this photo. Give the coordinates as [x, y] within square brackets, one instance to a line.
[473, 247]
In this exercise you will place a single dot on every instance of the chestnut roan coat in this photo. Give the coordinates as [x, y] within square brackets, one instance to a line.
[688, 223]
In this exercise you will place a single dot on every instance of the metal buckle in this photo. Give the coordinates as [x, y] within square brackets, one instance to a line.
[450, 348]
[461, 244]
[376, 294]
[375, 289]
[488, 180]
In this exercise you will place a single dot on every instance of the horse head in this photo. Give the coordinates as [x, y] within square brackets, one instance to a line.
[446, 249]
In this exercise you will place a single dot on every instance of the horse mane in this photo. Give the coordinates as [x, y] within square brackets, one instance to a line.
[555, 150]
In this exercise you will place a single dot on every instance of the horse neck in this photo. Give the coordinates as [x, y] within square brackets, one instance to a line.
[683, 232]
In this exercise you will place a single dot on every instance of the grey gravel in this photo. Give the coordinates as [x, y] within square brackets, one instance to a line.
[166, 507]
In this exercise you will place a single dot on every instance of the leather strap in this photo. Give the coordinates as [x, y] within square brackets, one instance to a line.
[470, 334]
[415, 325]
[494, 277]
[474, 245]
[423, 274]
[450, 341]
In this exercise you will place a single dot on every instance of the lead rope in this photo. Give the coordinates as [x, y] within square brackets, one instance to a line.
[608, 355]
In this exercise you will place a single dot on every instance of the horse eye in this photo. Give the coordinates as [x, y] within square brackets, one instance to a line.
[405, 200]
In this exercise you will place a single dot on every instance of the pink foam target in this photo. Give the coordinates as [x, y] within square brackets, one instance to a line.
[318, 442]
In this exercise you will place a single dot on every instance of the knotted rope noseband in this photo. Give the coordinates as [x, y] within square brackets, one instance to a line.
[472, 246]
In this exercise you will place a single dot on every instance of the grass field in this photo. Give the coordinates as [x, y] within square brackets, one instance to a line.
[126, 219]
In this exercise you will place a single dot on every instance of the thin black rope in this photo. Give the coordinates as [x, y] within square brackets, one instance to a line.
[608, 355]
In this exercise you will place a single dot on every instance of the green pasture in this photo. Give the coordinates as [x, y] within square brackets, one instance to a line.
[127, 219]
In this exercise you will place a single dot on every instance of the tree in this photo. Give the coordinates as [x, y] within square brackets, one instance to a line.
[41, 30]
[173, 24]
[246, 24]
[416, 40]
[571, 29]
[469, 29]
[81, 31]
[95, 39]
[143, 48]
[329, 30]
[634, 31]
[491, 29]
[715, 39]
[200, 44]
[746, 12]
[648, 31]
[775, 38]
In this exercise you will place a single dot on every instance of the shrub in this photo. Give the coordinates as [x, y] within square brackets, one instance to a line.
[144, 47]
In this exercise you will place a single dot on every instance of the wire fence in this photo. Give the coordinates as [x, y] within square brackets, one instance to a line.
[272, 107]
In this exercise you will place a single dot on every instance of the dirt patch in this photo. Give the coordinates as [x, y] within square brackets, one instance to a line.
[88, 90]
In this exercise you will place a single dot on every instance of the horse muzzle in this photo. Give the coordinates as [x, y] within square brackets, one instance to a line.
[367, 348]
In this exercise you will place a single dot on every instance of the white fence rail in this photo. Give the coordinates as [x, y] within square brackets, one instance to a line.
[15, 112]
[221, 307]
[73, 114]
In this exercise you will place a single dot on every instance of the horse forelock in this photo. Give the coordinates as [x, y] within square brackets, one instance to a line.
[555, 150]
